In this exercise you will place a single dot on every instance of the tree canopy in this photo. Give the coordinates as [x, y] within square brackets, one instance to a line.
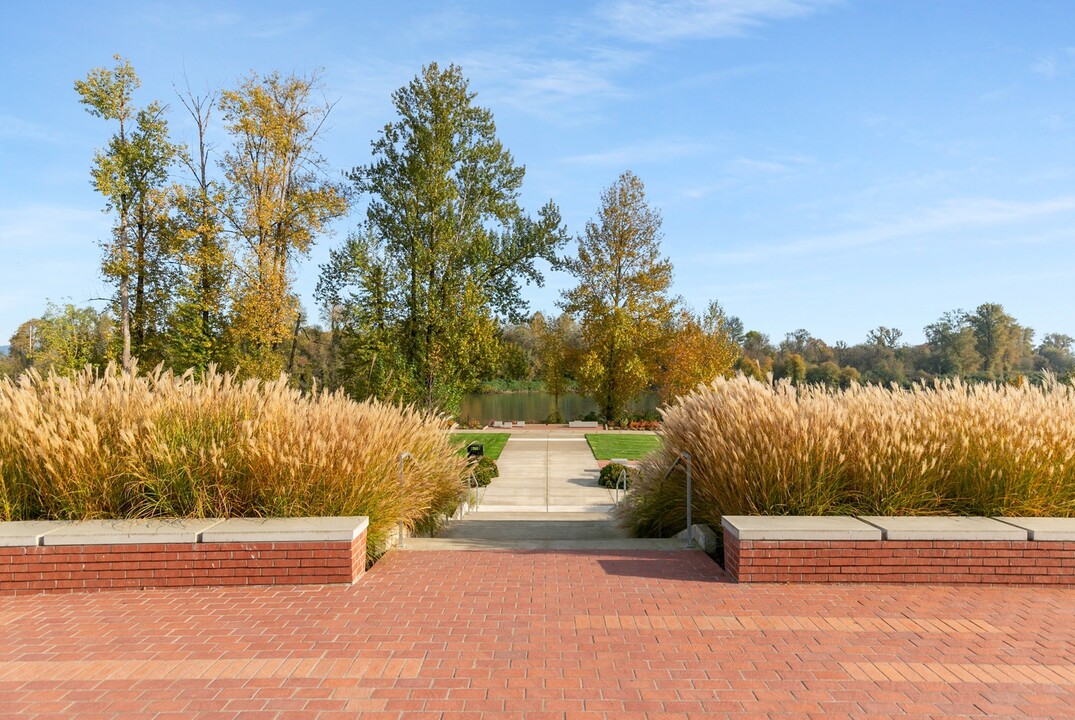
[621, 298]
[443, 250]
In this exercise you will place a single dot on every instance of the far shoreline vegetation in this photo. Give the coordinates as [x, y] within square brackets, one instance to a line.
[498, 386]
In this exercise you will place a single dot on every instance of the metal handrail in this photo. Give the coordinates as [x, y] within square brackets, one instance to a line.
[472, 484]
[685, 457]
[402, 458]
[621, 479]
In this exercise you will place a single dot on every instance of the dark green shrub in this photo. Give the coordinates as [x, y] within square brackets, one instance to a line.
[610, 475]
[485, 470]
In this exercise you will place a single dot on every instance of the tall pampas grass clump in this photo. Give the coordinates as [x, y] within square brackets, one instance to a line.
[950, 448]
[122, 445]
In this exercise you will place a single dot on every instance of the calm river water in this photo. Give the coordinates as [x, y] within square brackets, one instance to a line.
[534, 407]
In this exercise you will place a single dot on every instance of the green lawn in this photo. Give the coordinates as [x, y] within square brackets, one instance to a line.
[630, 446]
[493, 442]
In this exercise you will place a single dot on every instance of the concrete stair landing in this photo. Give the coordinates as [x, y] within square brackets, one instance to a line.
[546, 498]
[539, 531]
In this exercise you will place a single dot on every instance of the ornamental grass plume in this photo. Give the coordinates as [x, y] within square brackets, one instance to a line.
[950, 448]
[122, 445]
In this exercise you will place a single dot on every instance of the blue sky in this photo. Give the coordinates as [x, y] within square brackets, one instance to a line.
[833, 165]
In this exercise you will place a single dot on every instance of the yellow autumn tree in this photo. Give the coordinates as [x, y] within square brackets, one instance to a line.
[279, 202]
[131, 174]
[621, 300]
[197, 325]
[556, 339]
[700, 348]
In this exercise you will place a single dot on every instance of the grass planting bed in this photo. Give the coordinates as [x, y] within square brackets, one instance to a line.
[493, 443]
[629, 446]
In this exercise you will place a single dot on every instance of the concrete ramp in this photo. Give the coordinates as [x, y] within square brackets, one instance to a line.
[546, 474]
[546, 498]
[539, 531]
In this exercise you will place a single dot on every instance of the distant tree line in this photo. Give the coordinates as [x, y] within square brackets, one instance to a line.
[985, 345]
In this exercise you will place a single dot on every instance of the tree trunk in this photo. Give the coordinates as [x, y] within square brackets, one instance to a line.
[138, 331]
[294, 342]
[125, 320]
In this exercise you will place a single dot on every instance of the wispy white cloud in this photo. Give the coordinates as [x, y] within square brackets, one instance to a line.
[998, 94]
[44, 227]
[13, 128]
[1054, 122]
[663, 20]
[50, 251]
[741, 170]
[267, 27]
[568, 77]
[652, 151]
[264, 24]
[561, 88]
[725, 75]
[952, 217]
[892, 128]
[758, 167]
[1057, 62]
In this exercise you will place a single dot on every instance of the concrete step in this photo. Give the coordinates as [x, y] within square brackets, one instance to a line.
[513, 529]
[491, 544]
[484, 509]
[530, 526]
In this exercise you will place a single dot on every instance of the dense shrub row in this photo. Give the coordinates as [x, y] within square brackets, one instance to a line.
[951, 448]
[157, 445]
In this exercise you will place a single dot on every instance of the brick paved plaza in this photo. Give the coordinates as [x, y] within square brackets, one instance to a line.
[541, 635]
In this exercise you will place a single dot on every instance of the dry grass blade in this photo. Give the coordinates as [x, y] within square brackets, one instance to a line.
[158, 445]
[950, 448]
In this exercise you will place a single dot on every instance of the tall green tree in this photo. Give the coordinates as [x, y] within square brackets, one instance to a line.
[1003, 344]
[204, 257]
[444, 248]
[1055, 354]
[952, 345]
[557, 348]
[23, 346]
[279, 200]
[794, 368]
[131, 173]
[64, 340]
[700, 348]
[621, 299]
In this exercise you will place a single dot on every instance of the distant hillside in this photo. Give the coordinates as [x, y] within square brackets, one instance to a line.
[5, 349]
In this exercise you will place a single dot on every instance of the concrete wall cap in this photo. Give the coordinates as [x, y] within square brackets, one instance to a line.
[1044, 529]
[945, 528]
[798, 527]
[304, 529]
[127, 532]
[22, 533]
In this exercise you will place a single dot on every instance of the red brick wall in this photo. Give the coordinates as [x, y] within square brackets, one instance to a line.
[96, 567]
[898, 561]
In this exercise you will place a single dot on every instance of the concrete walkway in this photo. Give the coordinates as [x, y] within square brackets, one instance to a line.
[546, 498]
[553, 471]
